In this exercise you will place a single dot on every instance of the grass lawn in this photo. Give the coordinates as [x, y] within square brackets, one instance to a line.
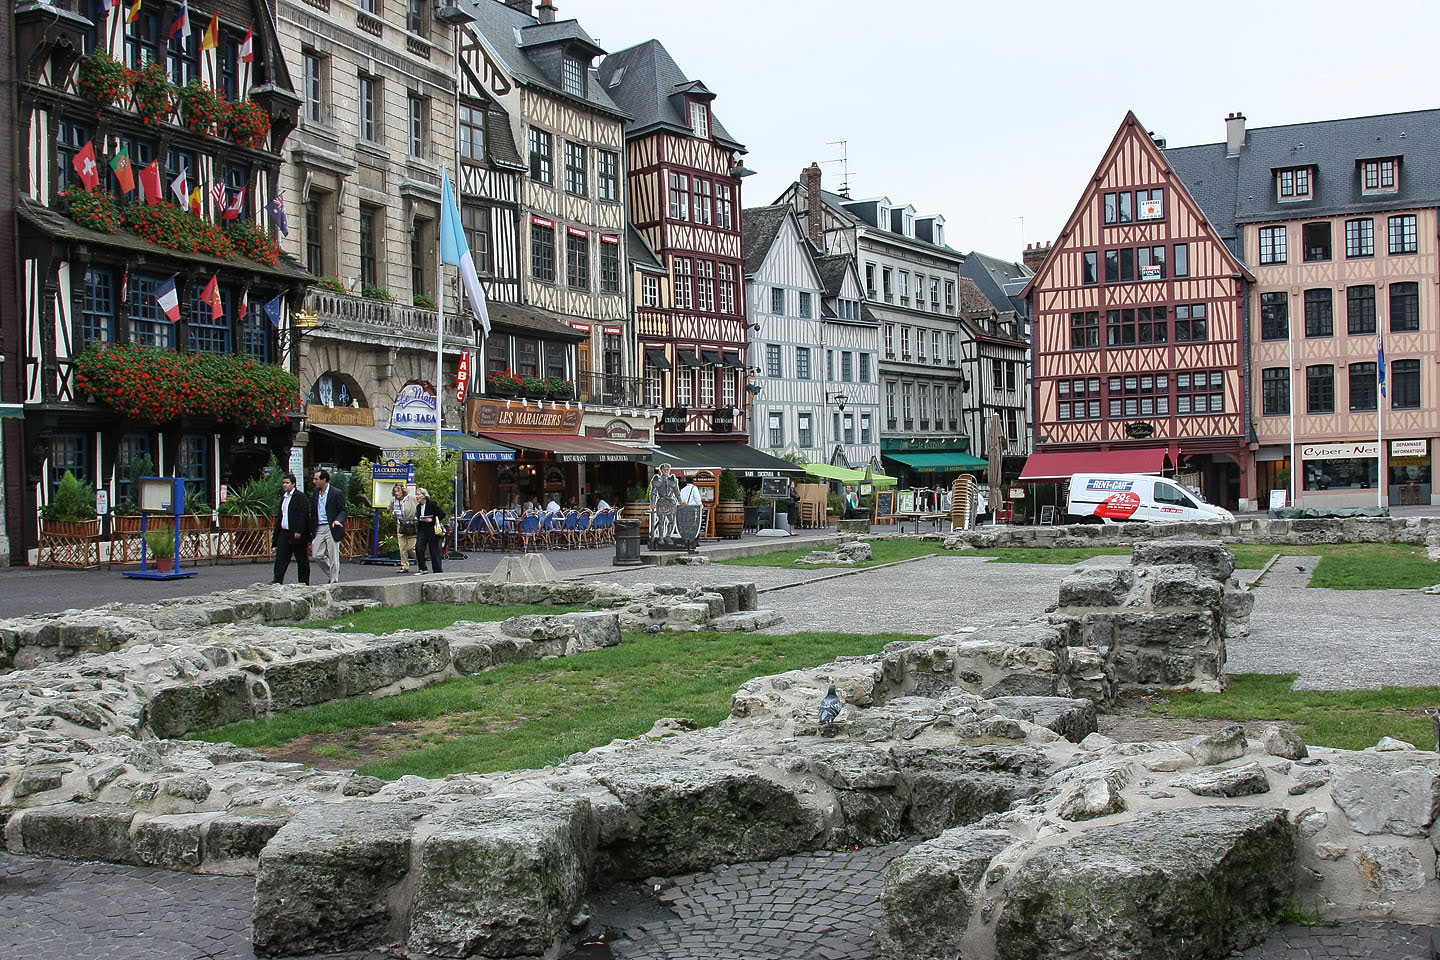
[430, 616]
[1353, 719]
[885, 551]
[532, 714]
[1047, 554]
[1353, 566]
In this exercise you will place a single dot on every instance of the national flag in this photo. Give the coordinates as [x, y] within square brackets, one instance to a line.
[217, 195]
[244, 304]
[210, 38]
[168, 300]
[211, 295]
[237, 206]
[247, 47]
[125, 287]
[181, 188]
[276, 209]
[455, 248]
[85, 166]
[105, 5]
[1380, 364]
[274, 308]
[181, 26]
[197, 201]
[134, 12]
[150, 187]
[120, 164]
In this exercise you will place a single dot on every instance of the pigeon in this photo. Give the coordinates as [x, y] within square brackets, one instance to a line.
[1301, 569]
[654, 628]
[831, 706]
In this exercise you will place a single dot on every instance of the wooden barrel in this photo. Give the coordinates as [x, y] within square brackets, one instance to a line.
[729, 519]
[638, 511]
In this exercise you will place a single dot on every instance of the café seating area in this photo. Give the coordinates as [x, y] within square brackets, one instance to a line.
[535, 530]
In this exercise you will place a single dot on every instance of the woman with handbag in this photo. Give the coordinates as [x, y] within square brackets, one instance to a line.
[429, 530]
[402, 506]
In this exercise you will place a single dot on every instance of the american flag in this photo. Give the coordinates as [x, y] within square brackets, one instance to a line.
[217, 194]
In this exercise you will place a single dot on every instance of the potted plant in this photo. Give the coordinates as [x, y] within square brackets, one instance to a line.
[103, 79]
[161, 547]
[424, 301]
[535, 387]
[331, 285]
[558, 388]
[834, 508]
[71, 511]
[730, 507]
[503, 383]
[151, 86]
[248, 123]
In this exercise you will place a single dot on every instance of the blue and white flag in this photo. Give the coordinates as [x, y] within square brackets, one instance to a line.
[455, 248]
[274, 308]
[168, 300]
[276, 209]
[1380, 365]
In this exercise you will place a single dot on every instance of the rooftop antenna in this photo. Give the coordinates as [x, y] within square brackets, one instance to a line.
[844, 162]
[1022, 231]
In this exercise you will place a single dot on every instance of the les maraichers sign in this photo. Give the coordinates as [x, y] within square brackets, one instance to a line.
[498, 416]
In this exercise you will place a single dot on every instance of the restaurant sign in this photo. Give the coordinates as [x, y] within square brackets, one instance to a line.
[340, 416]
[674, 419]
[483, 415]
[616, 430]
[723, 419]
[415, 407]
[1339, 451]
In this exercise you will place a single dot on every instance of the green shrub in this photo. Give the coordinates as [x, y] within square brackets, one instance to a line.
[730, 488]
[160, 543]
[73, 501]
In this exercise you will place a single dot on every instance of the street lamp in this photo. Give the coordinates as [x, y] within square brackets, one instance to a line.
[839, 399]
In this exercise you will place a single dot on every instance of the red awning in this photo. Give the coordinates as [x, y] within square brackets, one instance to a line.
[569, 448]
[1060, 465]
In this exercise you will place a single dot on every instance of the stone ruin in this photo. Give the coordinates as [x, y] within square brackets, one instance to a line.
[1042, 837]
[847, 553]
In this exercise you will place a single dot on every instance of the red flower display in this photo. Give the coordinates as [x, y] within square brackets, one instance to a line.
[158, 386]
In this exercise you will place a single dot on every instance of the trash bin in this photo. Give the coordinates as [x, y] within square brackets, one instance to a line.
[627, 542]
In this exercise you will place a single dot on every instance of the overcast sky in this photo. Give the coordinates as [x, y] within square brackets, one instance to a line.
[990, 112]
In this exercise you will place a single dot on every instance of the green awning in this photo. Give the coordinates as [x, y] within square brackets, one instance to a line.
[743, 459]
[939, 461]
[846, 475]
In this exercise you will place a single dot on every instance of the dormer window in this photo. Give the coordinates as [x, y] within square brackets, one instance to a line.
[1380, 176]
[1294, 183]
[909, 225]
[573, 77]
[938, 232]
[700, 120]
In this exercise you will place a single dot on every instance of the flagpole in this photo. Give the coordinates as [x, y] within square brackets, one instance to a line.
[1380, 424]
[440, 336]
[1290, 383]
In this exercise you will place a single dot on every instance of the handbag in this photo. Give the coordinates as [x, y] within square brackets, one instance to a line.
[439, 529]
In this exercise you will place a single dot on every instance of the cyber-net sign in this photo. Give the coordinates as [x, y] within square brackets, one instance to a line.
[1339, 451]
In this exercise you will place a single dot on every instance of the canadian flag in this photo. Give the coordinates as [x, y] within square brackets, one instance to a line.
[237, 206]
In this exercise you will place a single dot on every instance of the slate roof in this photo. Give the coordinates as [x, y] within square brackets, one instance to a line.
[639, 253]
[1238, 190]
[532, 320]
[759, 226]
[854, 210]
[832, 272]
[648, 88]
[990, 275]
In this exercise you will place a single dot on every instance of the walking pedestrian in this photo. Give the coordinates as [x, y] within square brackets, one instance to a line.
[429, 530]
[402, 507]
[793, 510]
[327, 519]
[292, 532]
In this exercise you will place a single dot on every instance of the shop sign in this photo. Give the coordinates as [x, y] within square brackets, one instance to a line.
[392, 470]
[612, 331]
[1339, 451]
[1409, 448]
[462, 376]
[340, 416]
[297, 461]
[619, 430]
[1139, 430]
[595, 457]
[1152, 209]
[609, 238]
[581, 327]
[415, 407]
[674, 419]
[1017, 493]
[488, 456]
[483, 415]
[723, 419]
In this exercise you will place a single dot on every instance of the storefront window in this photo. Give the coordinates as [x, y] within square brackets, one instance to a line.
[527, 357]
[1354, 473]
[1406, 470]
[555, 360]
[497, 353]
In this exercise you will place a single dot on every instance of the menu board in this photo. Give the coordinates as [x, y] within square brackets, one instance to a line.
[906, 502]
[884, 503]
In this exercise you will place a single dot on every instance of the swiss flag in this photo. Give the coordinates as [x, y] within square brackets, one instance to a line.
[85, 166]
[211, 295]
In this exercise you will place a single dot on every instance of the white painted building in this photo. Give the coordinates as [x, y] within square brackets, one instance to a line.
[813, 359]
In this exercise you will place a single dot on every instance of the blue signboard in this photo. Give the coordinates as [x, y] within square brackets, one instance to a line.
[489, 456]
[393, 470]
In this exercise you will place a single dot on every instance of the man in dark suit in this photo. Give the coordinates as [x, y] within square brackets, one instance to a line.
[292, 532]
[327, 520]
[429, 530]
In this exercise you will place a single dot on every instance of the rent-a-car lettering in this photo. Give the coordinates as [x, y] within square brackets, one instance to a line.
[1110, 485]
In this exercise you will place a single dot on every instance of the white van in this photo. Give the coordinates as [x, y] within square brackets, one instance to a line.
[1133, 496]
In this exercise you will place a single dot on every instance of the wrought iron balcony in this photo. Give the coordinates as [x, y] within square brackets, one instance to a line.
[611, 390]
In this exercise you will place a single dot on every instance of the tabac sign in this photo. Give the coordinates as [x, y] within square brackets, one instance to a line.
[513, 416]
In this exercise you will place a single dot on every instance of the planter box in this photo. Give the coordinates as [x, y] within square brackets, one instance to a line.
[245, 538]
[73, 544]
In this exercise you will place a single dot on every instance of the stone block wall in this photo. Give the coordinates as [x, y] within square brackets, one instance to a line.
[1298, 532]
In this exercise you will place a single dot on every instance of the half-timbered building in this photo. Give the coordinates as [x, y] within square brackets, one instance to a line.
[96, 262]
[1001, 363]
[1337, 219]
[1139, 337]
[12, 462]
[684, 200]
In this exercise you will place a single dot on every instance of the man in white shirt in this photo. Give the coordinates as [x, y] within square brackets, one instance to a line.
[553, 506]
[602, 505]
[292, 532]
[690, 495]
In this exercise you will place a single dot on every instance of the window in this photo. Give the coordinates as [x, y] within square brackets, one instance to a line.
[805, 429]
[1320, 389]
[802, 363]
[369, 240]
[542, 251]
[1084, 330]
[804, 304]
[1274, 316]
[69, 453]
[950, 349]
[889, 339]
[208, 333]
[1139, 395]
[1363, 386]
[1360, 309]
[864, 368]
[527, 357]
[829, 364]
[949, 296]
[183, 56]
[702, 201]
[142, 40]
[904, 288]
[314, 236]
[724, 207]
[1127, 265]
[133, 447]
[847, 366]
[909, 404]
[919, 292]
[1128, 327]
[866, 433]
[1404, 234]
[939, 407]
[934, 293]
[700, 120]
[775, 422]
[953, 421]
[607, 175]
[1118, 208]
[194, 461]
[1090, 276]
[705, 284]
[1152, 263]
[415, 16]
[1404, 307]
[369, 97]
[1112, 266]
[475, 220]
[1360, 238]
[777, 301]
[920, 345]
[1181, 259]
[1275, 391]
[1190, 323]
[1318, 313]
[1273, 244]
[1294, 183]
[69, 139]
[904, 343]
[684, 284]
[1200, 393]
[1405, 384]
[870, 281]
[577, 259]
[313, 66]
[575, 169]
[540, 156]
[609, 266]
[418, 259]
[1316, 239]
[890, 402]
[148, 326]
[997, 374]
[1150, 204]
[924, 392]
[886, 275]
[1078, 399]
[849, 430]
[679, 196]
[97, 313]
[935, 346]
[707, 388]
[650, 291]
[470, 126]
[572, 77]
[417, 125]
[684, 386]
[1379, 175]
[255, 335]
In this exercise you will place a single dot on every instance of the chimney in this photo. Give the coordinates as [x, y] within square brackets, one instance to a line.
[814, 221]
[545, 12]
[1234, 133]
[1035, 254]
[522, 5]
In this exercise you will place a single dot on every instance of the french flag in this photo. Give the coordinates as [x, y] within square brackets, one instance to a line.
[168, 300]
